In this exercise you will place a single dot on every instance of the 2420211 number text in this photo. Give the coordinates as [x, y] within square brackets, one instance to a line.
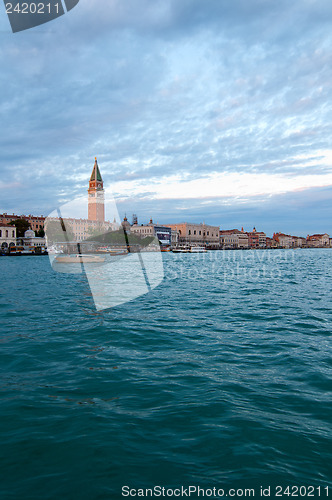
[31, 8]
[301, 491]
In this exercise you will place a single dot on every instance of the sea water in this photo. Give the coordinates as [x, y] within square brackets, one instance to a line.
[218, 378]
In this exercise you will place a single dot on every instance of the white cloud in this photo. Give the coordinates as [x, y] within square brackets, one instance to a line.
[219, 185]
[239, 185]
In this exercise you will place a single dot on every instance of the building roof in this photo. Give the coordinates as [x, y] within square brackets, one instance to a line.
[14, 216]
[257, 233]
[96, 175]
[276, 236]
[202, 224]
[231, 231]
[316, 236]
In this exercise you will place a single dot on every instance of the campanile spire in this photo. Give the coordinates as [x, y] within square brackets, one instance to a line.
[96, 207]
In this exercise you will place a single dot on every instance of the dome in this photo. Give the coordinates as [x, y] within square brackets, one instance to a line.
[29, 234]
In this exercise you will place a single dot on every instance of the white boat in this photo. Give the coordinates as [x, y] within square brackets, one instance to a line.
[198, 250]
[54, 250]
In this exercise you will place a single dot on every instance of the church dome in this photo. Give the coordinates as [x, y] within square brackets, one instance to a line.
[29, 234]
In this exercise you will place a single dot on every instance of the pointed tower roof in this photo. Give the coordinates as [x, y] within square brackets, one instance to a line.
[96, 175]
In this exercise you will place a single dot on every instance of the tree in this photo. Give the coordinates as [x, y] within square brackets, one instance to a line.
[58, 231]
[21, 225]
[40, 233]
[119, 238]
[94, 231]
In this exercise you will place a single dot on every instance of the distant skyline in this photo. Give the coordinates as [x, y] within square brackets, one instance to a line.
[210, 111]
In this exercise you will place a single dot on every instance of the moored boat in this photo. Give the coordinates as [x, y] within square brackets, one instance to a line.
[120, 251]
[198, 250]
[187, 249]
[112, 250]
[181, 250]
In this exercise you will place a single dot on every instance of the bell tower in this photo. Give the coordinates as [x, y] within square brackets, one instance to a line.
[96, 206]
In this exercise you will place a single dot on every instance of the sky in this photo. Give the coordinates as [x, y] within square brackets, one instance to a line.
[210, 111]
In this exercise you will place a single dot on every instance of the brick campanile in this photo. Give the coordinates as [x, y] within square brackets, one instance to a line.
[96, 207]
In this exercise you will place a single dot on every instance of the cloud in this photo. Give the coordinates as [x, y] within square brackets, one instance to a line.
[207, 98]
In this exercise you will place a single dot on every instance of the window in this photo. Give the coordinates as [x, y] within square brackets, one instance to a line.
[208, 233]
[6, 233]
[13, 234]
[0, 233]
[200, 233]
[189, 232]
[194, 231]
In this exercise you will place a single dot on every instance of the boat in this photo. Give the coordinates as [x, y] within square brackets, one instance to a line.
[192, 249]
[118, 251]
[112, 250]
[181, 250]
[79, 259]
[103, 249]
[198, 250]
[53, 250]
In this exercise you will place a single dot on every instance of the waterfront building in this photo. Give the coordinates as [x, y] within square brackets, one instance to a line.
[31, 242]
[270, 243]
[243, 240]
[318, 240]
[256, 239]
[228, 239]
[7, 236]
[197, 234]
[36, 222]
[96, 201]
[299, 242]
[143, 230]
[163, 233]
[233, 238]
[283, 240]
[174, 238]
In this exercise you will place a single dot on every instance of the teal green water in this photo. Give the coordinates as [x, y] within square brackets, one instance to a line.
[220, 377]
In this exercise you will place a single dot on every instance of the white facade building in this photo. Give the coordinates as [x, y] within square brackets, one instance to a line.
[32, 243]
[233, 238]
[318, 240]
[7, 236]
